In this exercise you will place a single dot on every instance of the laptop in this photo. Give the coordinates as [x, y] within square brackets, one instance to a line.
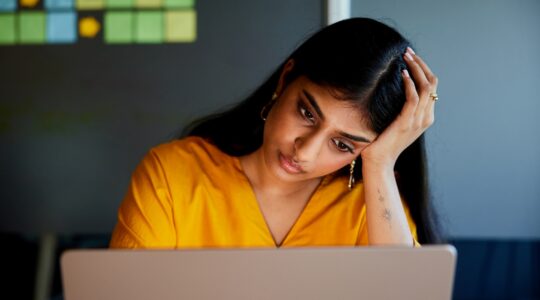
[260, 273]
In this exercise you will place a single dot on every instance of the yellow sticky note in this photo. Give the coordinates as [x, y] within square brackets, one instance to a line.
[180, 26]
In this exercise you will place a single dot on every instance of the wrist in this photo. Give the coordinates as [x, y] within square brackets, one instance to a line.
[377, 162]
[377, 166]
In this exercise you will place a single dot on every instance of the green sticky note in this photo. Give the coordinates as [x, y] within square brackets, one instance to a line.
[90, 4]
[179, 3]
[31, 27]
[148, 3]
[118, 27]
[7, 29]
[119, 3]
[149, 27]
[180, 26]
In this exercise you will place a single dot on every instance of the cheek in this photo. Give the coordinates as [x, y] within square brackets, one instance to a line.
[280, 126]
[331, 162]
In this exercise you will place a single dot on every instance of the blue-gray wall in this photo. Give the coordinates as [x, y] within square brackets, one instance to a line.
[485, 144]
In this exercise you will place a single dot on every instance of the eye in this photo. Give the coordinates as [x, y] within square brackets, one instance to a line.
[341, 146]
[305, 113]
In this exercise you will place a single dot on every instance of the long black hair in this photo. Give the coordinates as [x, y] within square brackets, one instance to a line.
[360, 60]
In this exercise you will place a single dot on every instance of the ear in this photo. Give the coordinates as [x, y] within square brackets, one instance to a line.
[286, 70]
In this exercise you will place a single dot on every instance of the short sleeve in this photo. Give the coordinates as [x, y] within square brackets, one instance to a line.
[145, 217]
[412, 226]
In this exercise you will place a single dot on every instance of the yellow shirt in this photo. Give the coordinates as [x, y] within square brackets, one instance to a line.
[189, 194]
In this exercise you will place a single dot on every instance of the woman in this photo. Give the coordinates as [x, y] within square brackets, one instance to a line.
[328, 151]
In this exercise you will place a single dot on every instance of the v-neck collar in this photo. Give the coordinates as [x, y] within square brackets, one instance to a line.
[254, 203]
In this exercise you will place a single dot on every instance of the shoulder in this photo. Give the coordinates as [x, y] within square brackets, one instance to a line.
[186, 147]
[191, 152]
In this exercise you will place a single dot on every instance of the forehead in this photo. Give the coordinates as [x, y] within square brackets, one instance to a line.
[342, 114]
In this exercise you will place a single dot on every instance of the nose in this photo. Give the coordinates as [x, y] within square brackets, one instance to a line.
[307, 148]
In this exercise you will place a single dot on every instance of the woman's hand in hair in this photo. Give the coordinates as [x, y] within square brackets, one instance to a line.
[416, 116]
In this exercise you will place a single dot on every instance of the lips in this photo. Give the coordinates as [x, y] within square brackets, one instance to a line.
[289, 165]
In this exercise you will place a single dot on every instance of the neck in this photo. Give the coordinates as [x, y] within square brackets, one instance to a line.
[263, 180]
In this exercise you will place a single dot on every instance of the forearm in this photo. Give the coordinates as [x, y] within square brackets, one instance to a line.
[386, 220]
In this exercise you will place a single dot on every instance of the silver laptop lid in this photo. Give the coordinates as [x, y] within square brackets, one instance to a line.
[287, 273]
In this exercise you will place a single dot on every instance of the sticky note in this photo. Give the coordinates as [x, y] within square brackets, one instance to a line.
[90, 4]
[61, 27]
[7, 29]
[8, 5]
[149, 27]
[119, 3]
[179, 3]
[180, 26]
[31, 27]
[58, 4]
[118, 27]
[148, 3]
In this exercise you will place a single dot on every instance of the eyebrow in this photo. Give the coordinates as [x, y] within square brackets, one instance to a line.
[354, 137]
[313, 103]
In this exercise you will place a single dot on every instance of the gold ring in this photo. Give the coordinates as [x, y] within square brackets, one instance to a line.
[434, 96]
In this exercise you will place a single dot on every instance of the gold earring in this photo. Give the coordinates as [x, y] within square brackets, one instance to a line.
[351, 176]
[267, 106]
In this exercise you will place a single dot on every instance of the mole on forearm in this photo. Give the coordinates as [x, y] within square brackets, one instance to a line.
[387, 215]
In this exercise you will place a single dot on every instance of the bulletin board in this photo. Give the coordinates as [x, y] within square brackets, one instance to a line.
[87, 87]
[36, 22]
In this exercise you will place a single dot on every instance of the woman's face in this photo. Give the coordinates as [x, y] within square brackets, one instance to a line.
[309, 133]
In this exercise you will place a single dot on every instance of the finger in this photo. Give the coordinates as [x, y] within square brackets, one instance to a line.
[411, 96]
[423, 86]
[417, 73]
[427, 71]
[429, 111]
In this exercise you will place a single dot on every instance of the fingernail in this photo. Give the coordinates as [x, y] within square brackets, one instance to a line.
[408, 56]
[405, 73]
[411, 50]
